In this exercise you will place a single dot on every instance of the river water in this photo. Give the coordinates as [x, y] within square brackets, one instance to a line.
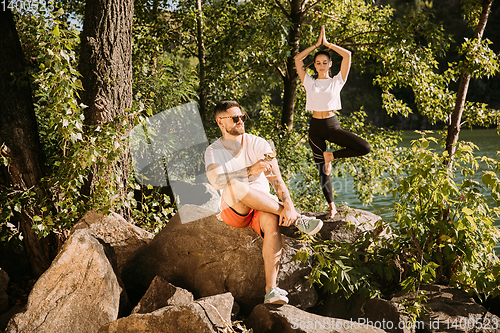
[487, 140]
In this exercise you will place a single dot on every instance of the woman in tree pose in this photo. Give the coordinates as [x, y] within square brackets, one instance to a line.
[323, 99]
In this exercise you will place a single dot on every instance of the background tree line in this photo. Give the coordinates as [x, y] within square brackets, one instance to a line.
[70, 98]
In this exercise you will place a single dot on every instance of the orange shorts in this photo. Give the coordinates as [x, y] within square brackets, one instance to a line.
[230, 217]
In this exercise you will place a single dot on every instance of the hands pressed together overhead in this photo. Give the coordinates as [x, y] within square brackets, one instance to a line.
[322, 38]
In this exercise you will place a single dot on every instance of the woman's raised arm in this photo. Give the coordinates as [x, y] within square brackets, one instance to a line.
[345, 54]
[299, 58]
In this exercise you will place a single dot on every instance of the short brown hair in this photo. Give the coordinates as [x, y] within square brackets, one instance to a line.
[224, 106]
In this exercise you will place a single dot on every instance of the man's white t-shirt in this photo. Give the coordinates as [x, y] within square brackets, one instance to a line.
[252, 150]
[323, 94]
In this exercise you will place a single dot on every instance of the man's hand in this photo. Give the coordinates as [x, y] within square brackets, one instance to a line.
[288, 215]
[259, 166]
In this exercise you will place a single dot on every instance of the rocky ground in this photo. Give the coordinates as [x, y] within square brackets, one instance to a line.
[200, 274]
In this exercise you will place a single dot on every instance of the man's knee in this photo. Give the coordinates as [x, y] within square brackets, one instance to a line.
[234, 191]
[268, 222]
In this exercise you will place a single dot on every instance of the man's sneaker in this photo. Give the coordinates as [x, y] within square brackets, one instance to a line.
[276, 296]
[309, 225]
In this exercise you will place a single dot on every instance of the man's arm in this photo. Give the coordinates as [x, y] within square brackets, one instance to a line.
[289, 214]
[219, 179]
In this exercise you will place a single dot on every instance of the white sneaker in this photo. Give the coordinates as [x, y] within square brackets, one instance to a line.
[276, 296]
[309, 225]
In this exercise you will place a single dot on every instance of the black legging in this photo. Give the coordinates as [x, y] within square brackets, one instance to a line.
[329, 129]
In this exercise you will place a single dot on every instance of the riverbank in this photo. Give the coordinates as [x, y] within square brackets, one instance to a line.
[487, 141]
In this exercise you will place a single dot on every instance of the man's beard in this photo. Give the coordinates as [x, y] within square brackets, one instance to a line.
[236, 131]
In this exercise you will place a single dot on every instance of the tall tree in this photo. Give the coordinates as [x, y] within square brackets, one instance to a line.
[202, 90]
[19, 143]
[297, 10]
[456, 118]
[106, 67]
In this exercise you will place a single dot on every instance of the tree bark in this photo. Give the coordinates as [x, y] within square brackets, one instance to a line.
[202, 90]
[290, 77]
[19, 141]
[456, 118]
[106, 67]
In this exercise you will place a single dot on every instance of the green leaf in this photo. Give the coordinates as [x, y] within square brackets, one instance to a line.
[467, 211]
[55, 31]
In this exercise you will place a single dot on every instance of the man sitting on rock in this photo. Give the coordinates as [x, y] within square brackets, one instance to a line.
[236, 165]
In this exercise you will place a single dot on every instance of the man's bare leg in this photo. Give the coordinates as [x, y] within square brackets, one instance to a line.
[241, 197]
[271, 248]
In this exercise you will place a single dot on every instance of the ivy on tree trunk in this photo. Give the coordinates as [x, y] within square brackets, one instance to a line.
[106, 67]
[19, 142]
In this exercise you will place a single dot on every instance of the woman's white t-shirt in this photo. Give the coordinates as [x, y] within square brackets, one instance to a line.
[323, 94]
[252, 150]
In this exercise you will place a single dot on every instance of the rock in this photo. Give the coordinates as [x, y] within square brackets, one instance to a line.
[380, 312]
[208, 257]
[222, 305]
[204, 315]
[292, 276]
[122, 236]
[385, 312]
[334, 229]
[289, 319]
[453, 310]
[7, 315]
[4, 298]
[78, 293]
[160, 294]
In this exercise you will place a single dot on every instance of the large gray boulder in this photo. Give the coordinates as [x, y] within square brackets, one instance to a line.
[388, 314]
[4, 298]
[78, 293]
[160, 294]
[289, 319]
[208, 257]
[453, 310]
[113, 229]
[207, 315]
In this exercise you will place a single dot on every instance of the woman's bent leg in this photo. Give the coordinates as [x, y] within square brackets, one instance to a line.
[353, 144]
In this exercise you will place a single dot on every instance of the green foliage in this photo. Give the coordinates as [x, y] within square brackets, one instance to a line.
[412, 57]
[161, 81]
[442, 231]
[163, 85]
[454, 238]
[352, 268]
[68, 152]
[151, 207]
[71, 151]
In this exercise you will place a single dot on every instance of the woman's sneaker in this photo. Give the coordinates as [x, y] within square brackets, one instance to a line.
[309, 225]
[276, 296]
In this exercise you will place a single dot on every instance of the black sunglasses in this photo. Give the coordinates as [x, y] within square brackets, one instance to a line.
[243, 118]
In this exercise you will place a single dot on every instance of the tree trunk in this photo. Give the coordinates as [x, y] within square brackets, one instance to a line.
[19, 141]
[456, 118]
[290, 77]
[106, 67]
[202, 91]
